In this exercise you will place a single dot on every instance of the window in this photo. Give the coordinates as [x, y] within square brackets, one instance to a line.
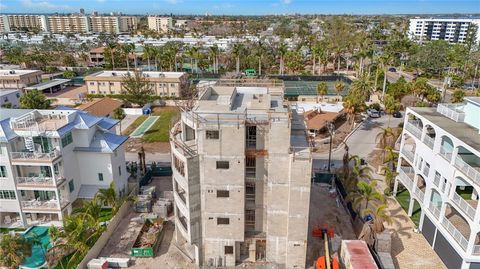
[172, 85]
[100, 176]
[223, 193]
[179, 165]
[212, 134]
[71, 186]
[228, 249]
[7, 195]
[111, 84]
[223, 165]
[67, 139]
[119, 170]
[3, 171]
[92, 83]
[223, 221]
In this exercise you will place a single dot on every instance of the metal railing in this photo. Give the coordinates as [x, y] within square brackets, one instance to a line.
[419, 193]
[405, 178]
[435, 210]
[476, 250]
[36, 181]
[429, 141]
[468, 170]
[446, 155]
[463, 205]
[410, 155]
[451, 112]
[455, 233]
[416, 131]
[48, 205]
[41, 156]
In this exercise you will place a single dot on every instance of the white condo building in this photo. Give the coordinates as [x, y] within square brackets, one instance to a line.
[50, 158]
[439, 165]
[451, 30]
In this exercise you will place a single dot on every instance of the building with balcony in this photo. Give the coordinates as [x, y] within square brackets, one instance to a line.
[439, 165]
[17, 22]
[451, 30]
[19, 79]
[160, 24]
[68, 24]
[241, 177]
[51, 158]
[164, 84]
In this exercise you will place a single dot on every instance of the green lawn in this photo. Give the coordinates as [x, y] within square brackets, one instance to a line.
[159, 132]
[403, 198]
[7, 230]
[134, 125]
[465, 194]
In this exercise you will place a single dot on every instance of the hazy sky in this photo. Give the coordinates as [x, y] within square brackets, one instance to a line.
[243, 7]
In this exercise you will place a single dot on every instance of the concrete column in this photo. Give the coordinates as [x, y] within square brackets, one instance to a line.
[410, 205]
[395, 187]
[443, 208]
[471, 241]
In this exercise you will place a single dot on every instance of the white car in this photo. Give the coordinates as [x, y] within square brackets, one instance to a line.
[373, 113]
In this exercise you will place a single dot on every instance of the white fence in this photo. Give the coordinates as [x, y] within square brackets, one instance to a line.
[133, 111]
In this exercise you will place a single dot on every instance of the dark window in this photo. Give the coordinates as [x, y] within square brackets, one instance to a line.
[228, 249]
[223, 165]
[67, 139]
[100, 177]
[211, 134]
[223, 221]
[71, 185]
[222, 193]
[119, 170]
[3, 171]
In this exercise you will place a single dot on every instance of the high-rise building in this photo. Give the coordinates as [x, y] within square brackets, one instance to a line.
[82, 11]
[439, 166]
[241, 177]
[4, 25]
[50, 158]
[451, 30]
[22, 22]
[160, 24]
[68, 24]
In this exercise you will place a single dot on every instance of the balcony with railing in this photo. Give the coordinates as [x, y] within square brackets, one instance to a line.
[38, 182]
[408, 154]
[476, 250]
[453, 112]
[28, 156]
[418, 193]
[43, 205]
[38, 123]
[434, 210]
[464, 206]
[406, 175]
[415, 130]
[445, 154]
[455, 233]
[427, 140]
[468, 170]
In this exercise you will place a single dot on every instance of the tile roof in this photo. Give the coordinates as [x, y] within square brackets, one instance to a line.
[101, 107]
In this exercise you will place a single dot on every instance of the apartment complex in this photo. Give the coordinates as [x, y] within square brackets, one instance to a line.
[241, 177]
[166, 84]
[439, 165]
[160, 24]
[50, 158]
[19, 79]
[451, 30]
[69, 24]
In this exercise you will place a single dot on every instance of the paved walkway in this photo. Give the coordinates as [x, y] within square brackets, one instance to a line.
[144, 126]
[128, 120]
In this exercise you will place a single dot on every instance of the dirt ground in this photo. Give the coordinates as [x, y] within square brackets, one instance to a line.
[324, 211]
[342, 129]
[69, 92]
[134, 145]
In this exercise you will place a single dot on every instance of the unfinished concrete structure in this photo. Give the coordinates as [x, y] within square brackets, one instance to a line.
[241, 176]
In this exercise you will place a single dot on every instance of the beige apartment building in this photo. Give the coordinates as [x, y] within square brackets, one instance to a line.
[165, 84]
[19, 22]
[19, 79]
[128, 23]
[4, 25]
[68, 24]
[104, 24]
[160, 24]
[241, 177]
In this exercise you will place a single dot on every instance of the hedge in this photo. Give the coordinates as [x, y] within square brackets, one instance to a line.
[124, 96]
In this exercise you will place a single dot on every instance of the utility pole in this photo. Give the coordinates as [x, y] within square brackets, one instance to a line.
[331, 131]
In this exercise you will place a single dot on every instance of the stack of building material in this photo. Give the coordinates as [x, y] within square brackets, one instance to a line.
[149, 190]
[355, 254]
[97, 264]
[143, 204]
[168, 195]
[118, 262]
[162, 207]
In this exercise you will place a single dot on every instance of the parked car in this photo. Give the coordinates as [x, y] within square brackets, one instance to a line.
[373, 113]
[392, 69]
[397, 114]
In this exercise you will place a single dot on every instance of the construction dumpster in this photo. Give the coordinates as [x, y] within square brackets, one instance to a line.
[148, 239]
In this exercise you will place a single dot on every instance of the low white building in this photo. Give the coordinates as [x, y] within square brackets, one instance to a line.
[10, 98]
[439, 165]
[451, 30]
[50, 158]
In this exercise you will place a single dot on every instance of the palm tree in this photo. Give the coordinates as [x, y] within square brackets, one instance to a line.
[391, 106]
[90, 208]
[127, 48]
[111, 47]
[282, 51]
[362, 172]
[380, 214]
[108, 197]
[365, 194]
[389, 179]
[322, 89]
[259, 52]
[13, 249]
[148, 51]
[386, 137]
[350, 108]
[237, 51]
[339, 87]
[214, 50]
[192, 53]
[391, 156]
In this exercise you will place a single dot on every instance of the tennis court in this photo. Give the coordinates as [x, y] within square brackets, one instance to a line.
[296, 88]
[140, 131]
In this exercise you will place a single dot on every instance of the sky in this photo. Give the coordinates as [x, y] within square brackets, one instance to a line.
[243, 7]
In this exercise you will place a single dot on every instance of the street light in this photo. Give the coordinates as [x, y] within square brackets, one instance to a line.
[331, 131]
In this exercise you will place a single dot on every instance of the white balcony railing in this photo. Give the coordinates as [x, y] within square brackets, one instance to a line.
[435, 210]
[446, 155]
[419, 193]
[476, 250]
[451, 112]
[35, 156]
[408, 154]
[429, 141]
[463, 205]
[41, 205]
[455, 233]
[405, 178]
[414, 130]
[36, 181]
[436, 180]
[468, 170]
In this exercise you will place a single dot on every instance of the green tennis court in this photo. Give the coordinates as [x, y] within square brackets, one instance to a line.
[140, 131]
[296, 88]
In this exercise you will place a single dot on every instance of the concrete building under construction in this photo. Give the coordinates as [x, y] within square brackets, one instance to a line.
[241, 175]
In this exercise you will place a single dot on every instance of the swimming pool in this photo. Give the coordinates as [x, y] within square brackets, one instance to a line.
[37, 259]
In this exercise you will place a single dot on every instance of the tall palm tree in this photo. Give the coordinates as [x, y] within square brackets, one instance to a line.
[127, 48]
[237, 51]
[112, 46]
[391, 157]
[322, 89]
[361, 172]
[380, 214]
[192, 53]
[350, 108]
[391, 105]
[339, 87]
[148, 51]
[386, 137]
[389, 175]
[366, 193]
[13, 249]
[282, 51]
[214, 50]
[90, 208]
[259, 53]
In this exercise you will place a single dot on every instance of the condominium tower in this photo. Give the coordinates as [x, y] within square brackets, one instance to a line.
[451, 30]
[160, 24]
[439, 165]
[241, 175]
[51, 158]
